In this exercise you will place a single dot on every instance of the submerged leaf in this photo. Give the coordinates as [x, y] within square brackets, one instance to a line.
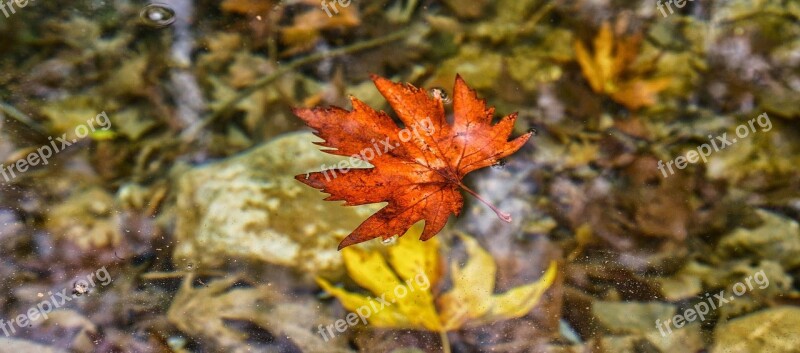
[406, 287]
[471, 301]
[606, 70]
[414, 262]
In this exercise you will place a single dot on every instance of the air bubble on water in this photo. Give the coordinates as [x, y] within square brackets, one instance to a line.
[157, 15]
[79, 289]
[499, 164]
[441, 94]
[176, 342]
[389, 241]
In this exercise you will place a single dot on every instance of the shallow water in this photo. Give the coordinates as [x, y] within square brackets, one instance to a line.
[159, 174]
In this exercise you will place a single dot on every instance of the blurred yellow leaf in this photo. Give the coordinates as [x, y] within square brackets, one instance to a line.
[402, 287]
[472, 302]
[640, 93]
[471, 285]
[612, 58]
[103, 135]
[405, 286]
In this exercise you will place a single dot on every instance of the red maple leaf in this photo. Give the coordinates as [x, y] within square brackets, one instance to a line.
[418, 169]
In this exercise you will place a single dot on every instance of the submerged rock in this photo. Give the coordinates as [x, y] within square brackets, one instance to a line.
[630, 318]
[88, 218]
[772, 330]
[249, 207]
[641, 327]
[776, 239]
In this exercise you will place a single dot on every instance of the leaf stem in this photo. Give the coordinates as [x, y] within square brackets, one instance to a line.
[503, 215]
[445, 341]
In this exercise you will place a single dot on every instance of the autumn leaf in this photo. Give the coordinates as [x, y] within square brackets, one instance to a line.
[470, 302]
[417, 170]
[209, 312]
[407, 260]
[247, 7]
[606, 68]
[306, 27]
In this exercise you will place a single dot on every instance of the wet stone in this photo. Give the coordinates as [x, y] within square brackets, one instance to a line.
[249, 207]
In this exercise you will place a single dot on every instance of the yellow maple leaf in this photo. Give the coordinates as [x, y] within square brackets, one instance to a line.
[404, 278]
[604, 70]
[472, 302]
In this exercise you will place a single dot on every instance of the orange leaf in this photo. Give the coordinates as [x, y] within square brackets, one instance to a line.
[417, 170]
[246, 7]
[640, 93]
[606, 69]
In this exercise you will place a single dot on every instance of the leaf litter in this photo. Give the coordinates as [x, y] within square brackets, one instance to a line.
[610, 90]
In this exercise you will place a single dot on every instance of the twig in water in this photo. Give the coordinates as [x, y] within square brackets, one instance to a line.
[22, 118]
[190, 133]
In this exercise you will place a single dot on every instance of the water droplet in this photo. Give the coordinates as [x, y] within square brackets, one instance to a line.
[157, 15]
[389, 241]
[500, 164]
[79, 289]
[533, 131]
[441, 94]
